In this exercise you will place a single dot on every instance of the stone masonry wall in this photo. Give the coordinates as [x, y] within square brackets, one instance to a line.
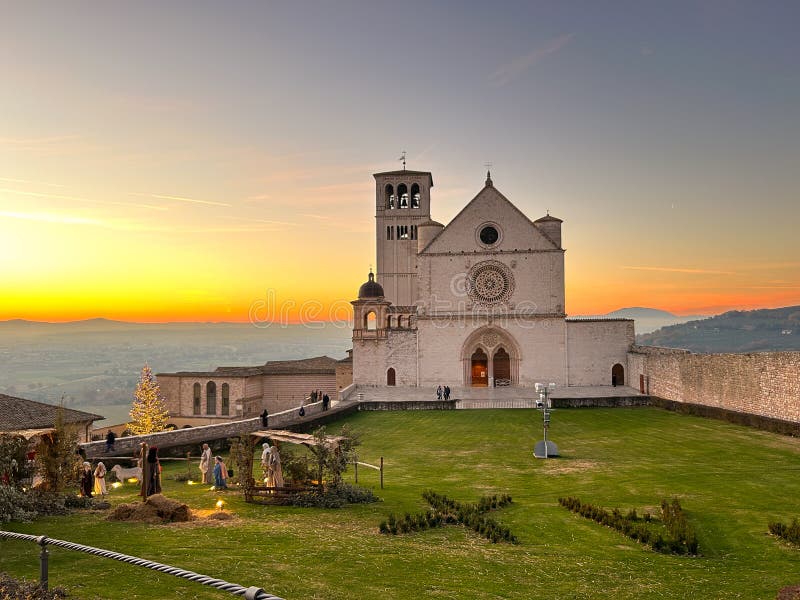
[759, 383]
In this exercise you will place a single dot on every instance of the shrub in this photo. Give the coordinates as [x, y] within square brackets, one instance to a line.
[791, 532]
[335, 496]
[11, 589]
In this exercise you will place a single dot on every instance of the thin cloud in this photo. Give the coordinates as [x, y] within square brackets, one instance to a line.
[679, 270]
[80, 199]
[267, 221]
[41, 141]
[181, 199]
[52, 218]
[508, 72]
[10, 180]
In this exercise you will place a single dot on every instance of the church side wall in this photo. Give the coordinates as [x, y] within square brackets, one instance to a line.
[170, 389]
[282, 392]
[594, 347]
[373, 358]
[760, 383]
[179, 393]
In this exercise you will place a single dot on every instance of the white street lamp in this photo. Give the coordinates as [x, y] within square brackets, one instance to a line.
[545, 448]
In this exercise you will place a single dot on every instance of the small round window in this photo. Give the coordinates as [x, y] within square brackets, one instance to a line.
[489, 235]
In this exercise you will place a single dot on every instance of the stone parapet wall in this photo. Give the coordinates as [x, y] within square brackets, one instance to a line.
[408, 405]
[758, 383]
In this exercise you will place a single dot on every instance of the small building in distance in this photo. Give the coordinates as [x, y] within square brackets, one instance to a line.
[28, 417]
[230, 393]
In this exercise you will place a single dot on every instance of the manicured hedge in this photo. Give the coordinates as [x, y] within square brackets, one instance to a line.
[675, 537]
[445, 511]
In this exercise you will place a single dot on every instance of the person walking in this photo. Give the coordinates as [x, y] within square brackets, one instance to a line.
[447, 392]
[302, 412]
[326, 402]
[100, 480]
[111, 437]
[265, 419]
[206, 464]
[220, 474]
[439, 393]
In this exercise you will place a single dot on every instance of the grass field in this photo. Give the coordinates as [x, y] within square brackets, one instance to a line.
[730, 480]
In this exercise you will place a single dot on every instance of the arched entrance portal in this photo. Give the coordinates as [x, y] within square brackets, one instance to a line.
[491, 357]
[479, 369]
[390, 376]
[617, 375]
[502, 368]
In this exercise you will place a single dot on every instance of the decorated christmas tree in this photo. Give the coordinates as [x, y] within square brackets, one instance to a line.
[148, 413]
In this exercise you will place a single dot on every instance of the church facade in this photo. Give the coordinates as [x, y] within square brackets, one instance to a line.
[476, 303]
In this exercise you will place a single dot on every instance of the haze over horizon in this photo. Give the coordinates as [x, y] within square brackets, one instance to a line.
[191, 161]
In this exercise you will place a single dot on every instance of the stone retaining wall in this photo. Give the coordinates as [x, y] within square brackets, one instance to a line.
[758, 383]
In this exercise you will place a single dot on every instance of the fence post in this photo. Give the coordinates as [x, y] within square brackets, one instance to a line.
[355, 464]
[43, 559]
[188, 465]
[381, 472]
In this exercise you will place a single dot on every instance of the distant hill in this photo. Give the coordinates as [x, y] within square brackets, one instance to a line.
[734, 331]
[649, 319]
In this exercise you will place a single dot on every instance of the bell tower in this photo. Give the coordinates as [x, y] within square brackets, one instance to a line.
[402, 203]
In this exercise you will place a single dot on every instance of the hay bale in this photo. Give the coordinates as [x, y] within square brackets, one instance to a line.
[157, 509]
[791, 592]
[220, 515]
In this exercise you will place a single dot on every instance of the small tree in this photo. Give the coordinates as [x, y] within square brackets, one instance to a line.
[57, 457]
[148, 413]
[331, 462]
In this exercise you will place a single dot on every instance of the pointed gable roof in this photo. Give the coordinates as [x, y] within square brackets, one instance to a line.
[488, 205]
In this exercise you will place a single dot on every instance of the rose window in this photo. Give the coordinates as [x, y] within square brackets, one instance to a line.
[490, 283]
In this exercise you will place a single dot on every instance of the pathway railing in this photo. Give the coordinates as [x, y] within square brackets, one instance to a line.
[250, 593]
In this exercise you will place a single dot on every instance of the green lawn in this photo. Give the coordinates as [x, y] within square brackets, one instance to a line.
[730, 480]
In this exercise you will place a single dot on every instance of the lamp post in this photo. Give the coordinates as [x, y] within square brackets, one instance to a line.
[545, 448]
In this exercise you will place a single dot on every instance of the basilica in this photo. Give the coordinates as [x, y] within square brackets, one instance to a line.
[478, 302]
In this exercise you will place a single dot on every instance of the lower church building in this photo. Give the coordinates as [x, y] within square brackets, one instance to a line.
[478, 302]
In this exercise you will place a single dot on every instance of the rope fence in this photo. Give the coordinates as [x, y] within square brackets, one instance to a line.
[250, 593]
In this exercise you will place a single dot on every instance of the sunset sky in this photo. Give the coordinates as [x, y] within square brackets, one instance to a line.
[181, 161]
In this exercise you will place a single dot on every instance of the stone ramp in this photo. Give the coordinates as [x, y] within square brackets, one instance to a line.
[191, 436]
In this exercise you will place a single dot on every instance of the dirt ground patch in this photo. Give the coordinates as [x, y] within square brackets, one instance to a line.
[558, 465]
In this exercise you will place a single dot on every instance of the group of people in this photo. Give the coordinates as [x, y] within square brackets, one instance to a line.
[318, 396]
[93, 481]
[213, 469]
[443, 392]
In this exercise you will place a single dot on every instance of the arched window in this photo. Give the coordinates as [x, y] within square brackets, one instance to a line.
[415, 196]
[370, 321]
[196, 393]
[400, 321]
[211, 398]
[391, 201]
[390, 376]
[389, 322]
[402, 194]
[226, 399]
